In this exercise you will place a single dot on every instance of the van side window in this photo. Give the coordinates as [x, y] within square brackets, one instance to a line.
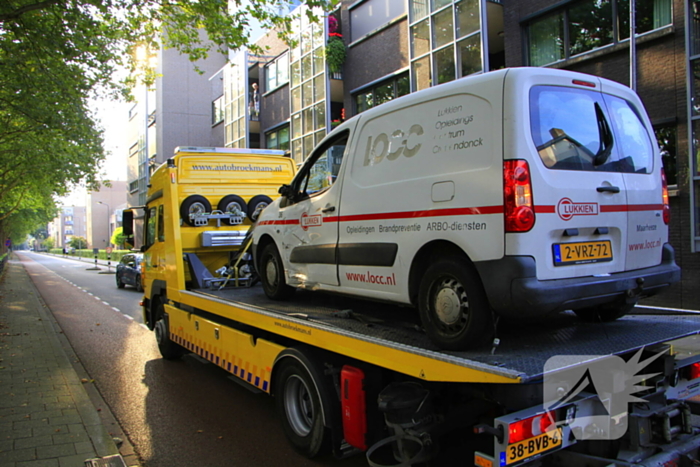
[568, 128]
[161, 224]
[151, 218]
[322, 168]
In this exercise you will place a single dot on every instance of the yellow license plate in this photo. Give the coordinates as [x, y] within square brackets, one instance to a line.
[581, 253]
[525, 449]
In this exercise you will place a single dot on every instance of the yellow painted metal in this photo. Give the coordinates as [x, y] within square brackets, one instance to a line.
[428, 368]
[238, 353]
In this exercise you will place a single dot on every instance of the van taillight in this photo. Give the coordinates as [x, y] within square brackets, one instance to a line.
[531, 427]
[517, 196]
[664, 196]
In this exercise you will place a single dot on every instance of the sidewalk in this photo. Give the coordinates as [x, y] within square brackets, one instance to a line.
[46, 416]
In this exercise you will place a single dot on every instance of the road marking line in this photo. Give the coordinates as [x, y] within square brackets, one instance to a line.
[117, 309]
[144, 326]
[105, 303]
[128, 316]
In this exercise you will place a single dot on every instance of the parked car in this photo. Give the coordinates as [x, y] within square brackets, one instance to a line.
[129, 271]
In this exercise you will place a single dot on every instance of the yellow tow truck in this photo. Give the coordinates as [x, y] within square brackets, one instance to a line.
[351, 376]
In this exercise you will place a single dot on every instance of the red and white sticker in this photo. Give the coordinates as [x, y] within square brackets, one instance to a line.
[311, 221]
[568, 209]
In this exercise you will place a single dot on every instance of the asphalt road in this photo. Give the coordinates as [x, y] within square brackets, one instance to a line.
[184, 413]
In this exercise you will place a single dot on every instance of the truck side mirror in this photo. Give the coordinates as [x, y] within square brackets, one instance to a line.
[128, 227]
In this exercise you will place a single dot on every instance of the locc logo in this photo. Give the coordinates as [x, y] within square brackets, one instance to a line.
[610, 379]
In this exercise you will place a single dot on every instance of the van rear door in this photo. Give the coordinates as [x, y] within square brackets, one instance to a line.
[578, 192]
[641, 170]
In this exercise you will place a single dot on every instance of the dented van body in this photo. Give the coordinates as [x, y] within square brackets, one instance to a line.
[515, 193]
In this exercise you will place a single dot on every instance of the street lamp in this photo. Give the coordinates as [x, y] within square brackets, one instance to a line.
[109, 224]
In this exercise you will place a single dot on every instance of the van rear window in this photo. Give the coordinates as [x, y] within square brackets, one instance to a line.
[579, 129]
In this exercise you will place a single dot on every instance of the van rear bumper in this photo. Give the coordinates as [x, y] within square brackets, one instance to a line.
[518, 293]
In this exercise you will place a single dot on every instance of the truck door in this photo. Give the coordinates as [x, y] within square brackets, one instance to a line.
[310, 221]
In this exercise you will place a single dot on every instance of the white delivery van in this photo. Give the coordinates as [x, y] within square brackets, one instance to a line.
[515, 193]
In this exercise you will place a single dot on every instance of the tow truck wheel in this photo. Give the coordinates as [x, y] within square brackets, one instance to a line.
[272, 274]
[605, 313]
[169, 350]
[194, 204]
[299, 406]
[453, 306]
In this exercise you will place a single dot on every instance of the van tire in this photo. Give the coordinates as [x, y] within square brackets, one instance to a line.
[193, 204]
[254, 203]
[229, 202]
[605, 313]
[299, 405]
[465, 318]
[272, 274]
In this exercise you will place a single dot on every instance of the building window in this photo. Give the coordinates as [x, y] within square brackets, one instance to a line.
[277, 72]
[382, 92]
[217, 111]
[371, 15]
[666, 139]
[308, 82]
[236, 93]
[134, 186]
[445, 40]
[278, 139]
[587, 25]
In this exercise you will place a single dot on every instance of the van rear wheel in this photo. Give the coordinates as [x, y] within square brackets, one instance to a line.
[605, 313]
[453, 307]
[272, 274]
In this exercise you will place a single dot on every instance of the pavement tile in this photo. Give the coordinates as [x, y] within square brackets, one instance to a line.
[33, 442]
[72, 461]
[59, 450]
[66, 420]
[70, 438]
[40, 463]
[17, 455]
[85, 447]
[49, 430]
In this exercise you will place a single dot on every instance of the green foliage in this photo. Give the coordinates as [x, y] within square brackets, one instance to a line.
[335, 54]
[118, 237]
[48, 243]
[78, 243]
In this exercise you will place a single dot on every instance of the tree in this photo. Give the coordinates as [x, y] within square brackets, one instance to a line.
[78, 243]
[56, 54]
[48, 243]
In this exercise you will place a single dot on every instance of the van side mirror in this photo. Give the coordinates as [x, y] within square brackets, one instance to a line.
[286, 191]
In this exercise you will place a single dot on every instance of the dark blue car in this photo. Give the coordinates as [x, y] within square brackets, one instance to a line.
[129, 271]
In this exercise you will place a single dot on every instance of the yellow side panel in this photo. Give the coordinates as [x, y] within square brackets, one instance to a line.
[234, 351]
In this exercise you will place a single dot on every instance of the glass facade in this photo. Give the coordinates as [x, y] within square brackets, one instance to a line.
[235, 97]
[309, 84]
[382, 92]
[446, 41]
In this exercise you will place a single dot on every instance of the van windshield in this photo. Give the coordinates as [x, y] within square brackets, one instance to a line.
[578, 129]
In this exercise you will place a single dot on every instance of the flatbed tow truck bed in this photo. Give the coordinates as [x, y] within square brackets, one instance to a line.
[520, 357]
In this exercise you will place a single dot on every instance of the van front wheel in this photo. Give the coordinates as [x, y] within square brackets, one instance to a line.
[453, 306]
[272, 274]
